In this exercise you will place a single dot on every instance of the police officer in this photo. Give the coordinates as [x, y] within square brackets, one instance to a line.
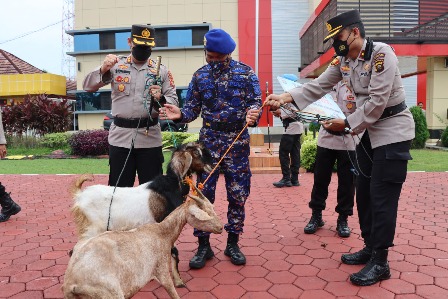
[289, 150]
[137, 91]
[226, 93]
[9, 207]
[370, 69]
[332, 147]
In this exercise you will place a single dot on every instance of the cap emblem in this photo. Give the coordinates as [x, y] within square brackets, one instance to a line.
[146, 33]
[329, 27]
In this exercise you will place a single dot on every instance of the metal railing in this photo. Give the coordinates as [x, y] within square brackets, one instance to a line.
[389, 21]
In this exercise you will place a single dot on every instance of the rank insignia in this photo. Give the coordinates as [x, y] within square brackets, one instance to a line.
[121, 87]
[349, 105]
[126, 80]
[367, 66]
[128, 60]
[335, 62]
[345, 68]
[123, 66]
[119, 79]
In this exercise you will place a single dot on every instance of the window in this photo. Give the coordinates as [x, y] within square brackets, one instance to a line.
[180, 38]
[107, 40]
[86, 42]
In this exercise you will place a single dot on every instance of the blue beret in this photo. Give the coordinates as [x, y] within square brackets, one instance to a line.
[219, 41]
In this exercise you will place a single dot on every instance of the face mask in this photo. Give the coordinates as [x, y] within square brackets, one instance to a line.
[218, 66]
[341, 47]
[141, 53]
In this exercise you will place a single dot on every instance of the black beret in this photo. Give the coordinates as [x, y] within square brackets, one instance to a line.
[143, 35]
[338, 23]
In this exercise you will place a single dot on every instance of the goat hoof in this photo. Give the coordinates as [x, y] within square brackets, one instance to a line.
[181, 285]
[70, 253]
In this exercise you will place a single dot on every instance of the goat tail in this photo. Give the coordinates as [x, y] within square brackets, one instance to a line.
[77, 184]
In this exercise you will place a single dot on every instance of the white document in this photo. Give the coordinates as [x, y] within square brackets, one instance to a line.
[325, 106]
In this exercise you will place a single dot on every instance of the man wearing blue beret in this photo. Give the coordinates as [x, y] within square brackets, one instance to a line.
[226, 93]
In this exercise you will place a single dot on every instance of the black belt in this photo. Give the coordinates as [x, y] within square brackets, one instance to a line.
[392, 110]
[134, 122]
[287, 121]
[223, 126]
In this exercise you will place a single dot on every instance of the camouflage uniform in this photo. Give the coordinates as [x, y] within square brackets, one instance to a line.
[223, 99]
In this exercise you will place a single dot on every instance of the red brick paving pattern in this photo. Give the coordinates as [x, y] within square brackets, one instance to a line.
[283, 262]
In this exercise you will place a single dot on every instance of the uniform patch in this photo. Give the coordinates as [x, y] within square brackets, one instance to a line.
[335, 61]
[119, 79]
[123, 66]
[345, 68]
[121, 87]
[117, 71]
[349, 105]
[379, 66]
[170, 77]
[126, 79]
[367, 66]
[128, 60]
[350, 97]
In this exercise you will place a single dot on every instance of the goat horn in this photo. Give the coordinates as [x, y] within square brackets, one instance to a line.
[198, 191]
[199, 201]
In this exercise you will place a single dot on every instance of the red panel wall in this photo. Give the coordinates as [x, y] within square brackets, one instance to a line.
[246, 39]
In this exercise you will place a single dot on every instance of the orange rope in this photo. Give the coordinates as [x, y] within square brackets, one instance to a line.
[201, 185]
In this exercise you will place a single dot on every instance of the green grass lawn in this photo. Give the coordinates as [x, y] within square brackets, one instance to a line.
[423, 160]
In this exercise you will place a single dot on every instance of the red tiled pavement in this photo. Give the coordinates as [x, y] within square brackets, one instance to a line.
[283, 262]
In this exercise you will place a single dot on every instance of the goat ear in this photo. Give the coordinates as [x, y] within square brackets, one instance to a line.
[198, 213]
[181, 163]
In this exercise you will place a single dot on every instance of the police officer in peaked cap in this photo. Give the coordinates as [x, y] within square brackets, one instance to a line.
[137, 93]
[370, 70]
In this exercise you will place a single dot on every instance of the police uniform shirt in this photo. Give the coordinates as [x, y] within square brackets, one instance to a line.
[293, 128]
[376, 84]
[345, 99]
[130, 85]
[2, 132]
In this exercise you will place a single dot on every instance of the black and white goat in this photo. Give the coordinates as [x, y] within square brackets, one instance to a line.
[117, 264]
[132, 207]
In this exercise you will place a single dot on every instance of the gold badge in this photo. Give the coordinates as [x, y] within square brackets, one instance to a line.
[126, 80]
[349, 105]
[335, 62]
[367, 66]
[123, 66]
[121, 87]
[345, 68]
[379, 66]
[341, 48]
[146, 33]
[328, 27]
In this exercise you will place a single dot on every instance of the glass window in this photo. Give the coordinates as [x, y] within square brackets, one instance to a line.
[179, 38]
[161, 38]
[87, 42]
[198, 35]
[107, 40]
[93, 101]
[121, 40]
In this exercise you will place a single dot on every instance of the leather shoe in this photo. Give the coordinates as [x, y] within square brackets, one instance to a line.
[357, 258]
[315, 222]
[342, 227]
[377, 269]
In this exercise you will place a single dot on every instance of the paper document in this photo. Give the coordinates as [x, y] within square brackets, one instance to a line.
[326, 106]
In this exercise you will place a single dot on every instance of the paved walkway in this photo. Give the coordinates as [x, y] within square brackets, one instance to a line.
[283, 262]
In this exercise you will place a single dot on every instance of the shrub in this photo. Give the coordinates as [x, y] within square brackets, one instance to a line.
[174, 138]
[421, 128]
[89, 143]
[192, 138]
[308, 154]
[55, 140]
[444, 137]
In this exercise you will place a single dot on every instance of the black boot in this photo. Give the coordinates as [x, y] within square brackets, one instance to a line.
[233, 251]
[342, 226]
[295, 179]
[284, 182]
[377, 269]
[357, 258]
[9, 207]
[204, 253]
[315, 222]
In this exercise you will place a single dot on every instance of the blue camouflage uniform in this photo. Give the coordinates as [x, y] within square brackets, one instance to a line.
[222, 98]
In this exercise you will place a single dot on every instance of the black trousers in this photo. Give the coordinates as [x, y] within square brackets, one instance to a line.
[147, 162]
[382, 172]
[325, 159]
[289, 154]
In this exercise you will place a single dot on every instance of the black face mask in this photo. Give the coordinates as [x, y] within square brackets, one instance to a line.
[141, 53]
[341, 47]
